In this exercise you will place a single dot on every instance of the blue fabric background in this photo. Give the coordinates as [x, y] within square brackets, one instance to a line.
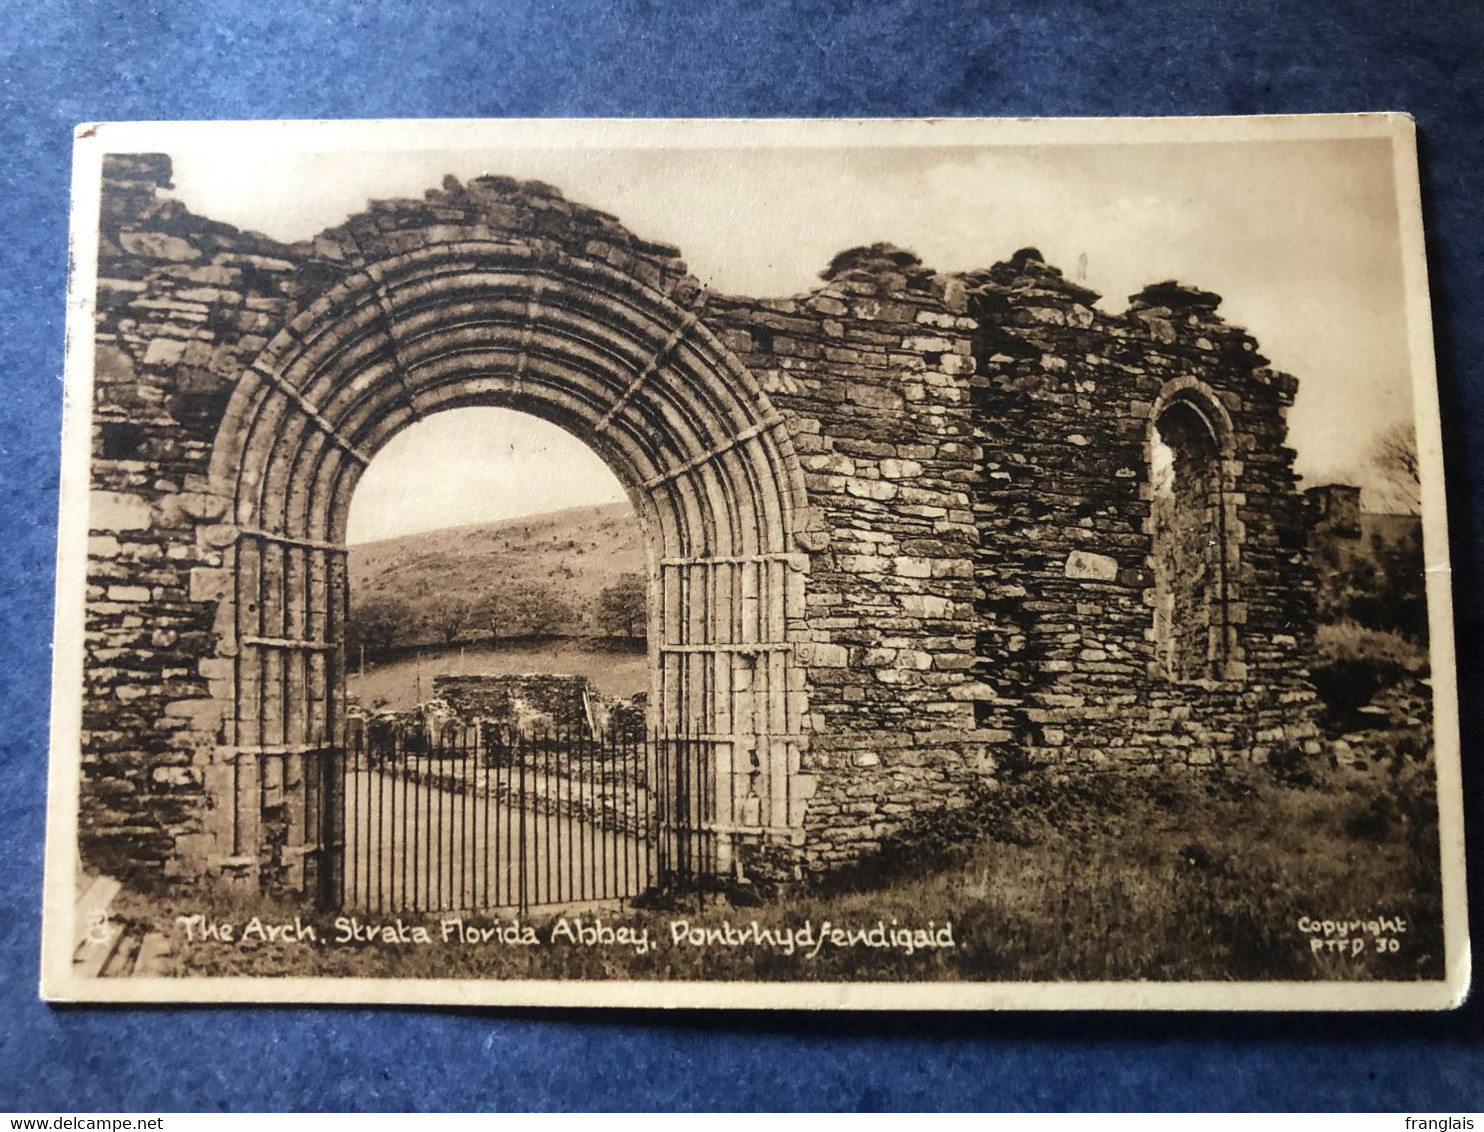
[62, 63]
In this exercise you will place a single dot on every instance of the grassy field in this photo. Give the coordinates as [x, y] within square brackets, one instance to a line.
[578, 552]
[614, 671]
[1165, 878]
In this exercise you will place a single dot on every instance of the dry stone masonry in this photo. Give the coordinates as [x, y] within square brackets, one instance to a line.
[910, 528]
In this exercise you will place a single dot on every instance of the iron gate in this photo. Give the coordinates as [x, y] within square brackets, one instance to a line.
[473, 817]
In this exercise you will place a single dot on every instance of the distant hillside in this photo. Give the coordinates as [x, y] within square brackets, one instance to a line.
[578, 552]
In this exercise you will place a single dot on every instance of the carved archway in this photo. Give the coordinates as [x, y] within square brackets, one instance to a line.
[681, 422]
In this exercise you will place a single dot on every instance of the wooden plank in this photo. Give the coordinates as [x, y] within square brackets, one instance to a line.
[92, 906]
[121, 961]
[153, 959]
[94, 936]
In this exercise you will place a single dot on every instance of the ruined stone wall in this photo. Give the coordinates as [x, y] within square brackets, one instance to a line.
[872, 371]
[562, 702]
[183, 304]
[1064, 400]
[980, 445]
[975, 550]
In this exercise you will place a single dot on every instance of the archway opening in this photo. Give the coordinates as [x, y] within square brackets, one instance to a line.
[486, 544]
[1189, 545]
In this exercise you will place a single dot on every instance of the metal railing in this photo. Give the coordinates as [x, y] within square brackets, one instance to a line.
[478, 817]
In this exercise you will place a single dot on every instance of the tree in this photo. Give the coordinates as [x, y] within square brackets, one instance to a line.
[1393, 455]
[623, 607]
[489, 613]
[377, 624]
[448, 616]
[536, 609]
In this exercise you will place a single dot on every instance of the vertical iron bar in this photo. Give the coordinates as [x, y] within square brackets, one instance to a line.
[344, 832]
[411, 827]
[544, 842]
[703, 816]
[506, 819]
[594, 828]
[262, 682]
[564, 875]
[512, 821]
[471, 827]
[581, 883]
[360, 812]
[435, 770]
[416, 846]
[689, 817]
[378, 825]
[463, 815]
[629, 824]
[596, 812]
[447, 797]
[651, 809]
[600, 814]
[682, 817]
[610, 803]
[430, 833]
[587, 801]
[353, 820]
[503, 816]
[662, 807]
[620, 815]
[692, 841]
[399, 833]
[482, 774]
[482, 763]
[521, 846]
[538, 816]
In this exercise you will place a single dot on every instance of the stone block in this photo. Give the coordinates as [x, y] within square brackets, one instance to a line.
[908, 566]
[874, 397]
[164, 352]
[118, 511]
[1083, 565]
[210, 584]
[878, 490]
[900, 469]
[158, 245]
[193, 505]
[973, 691]
[864, 564]
[823, 655]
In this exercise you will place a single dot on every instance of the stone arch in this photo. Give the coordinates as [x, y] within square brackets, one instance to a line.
[684, 426]
[1195, 535]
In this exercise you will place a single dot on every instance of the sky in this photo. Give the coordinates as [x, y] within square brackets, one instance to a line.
[1300, 237]
[475, 465]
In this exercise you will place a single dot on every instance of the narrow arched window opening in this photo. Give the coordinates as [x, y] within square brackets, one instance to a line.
[1190, 551]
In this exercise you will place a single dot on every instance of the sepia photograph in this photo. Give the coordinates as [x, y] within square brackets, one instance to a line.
[954, 564]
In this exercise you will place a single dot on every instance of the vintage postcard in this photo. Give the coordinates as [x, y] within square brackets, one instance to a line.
[864, 564]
